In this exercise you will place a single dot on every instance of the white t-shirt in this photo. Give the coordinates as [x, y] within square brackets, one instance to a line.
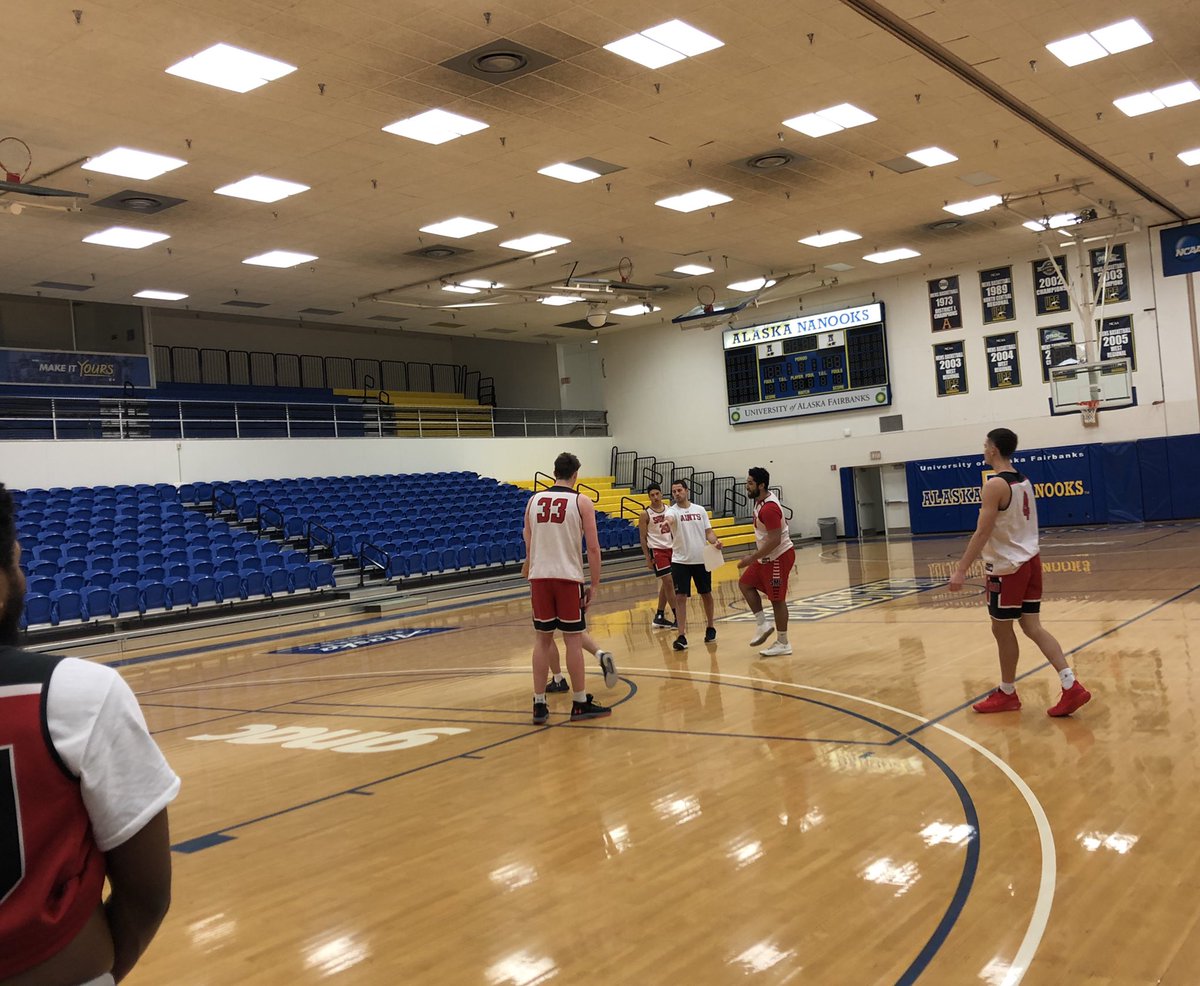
[98, 730]
[691, 523]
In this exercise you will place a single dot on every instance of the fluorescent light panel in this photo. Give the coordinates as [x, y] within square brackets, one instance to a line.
[972, 206]
[931, 157]
[1190, 158]
[1082, 48]
[479, 283]
[701, 198]
[830, 120]
[693, 270]
[535, 242]
[460, 289]
[129, 163]
[279, 258]
[557, 300]
[664, 44]
[568, 172]
[123, 236]
[1056, 221]
[890, 256]
[831, 238]
[231, 68]
[435, 126]
[1158, 99]
[631, 310]
[754, 284]
[259, 188]
[458, 227]
[161, 295]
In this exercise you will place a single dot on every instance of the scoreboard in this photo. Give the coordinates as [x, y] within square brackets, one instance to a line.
[834, 361]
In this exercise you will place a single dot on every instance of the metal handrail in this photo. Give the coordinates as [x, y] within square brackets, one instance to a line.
[218, 488]
[732, 498]
[537, 479]
[385, 565]
[637, 503]
[311, 528]
[265, 508]
[591, 489]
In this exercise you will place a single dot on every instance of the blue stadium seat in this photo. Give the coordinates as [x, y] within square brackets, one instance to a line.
[72, 582]
[154, 594]
[38, 609]
[42, 585]
[67, 604]
[230, 588]
[98, 577]
[178, 593]
[127, 600]
[279, 582]
[97, 603]
[253, 584]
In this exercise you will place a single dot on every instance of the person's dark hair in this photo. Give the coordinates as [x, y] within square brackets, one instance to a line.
[8, 530]
[566, 465]
[1004, 440]
[654, 486]
[681, 482]
[760, 476]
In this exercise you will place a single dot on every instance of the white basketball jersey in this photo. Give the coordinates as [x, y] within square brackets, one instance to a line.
[761, 532]
[555, 535]
[658, 531]
[1014, 539]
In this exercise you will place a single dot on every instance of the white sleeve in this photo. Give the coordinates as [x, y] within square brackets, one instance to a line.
[98, 730]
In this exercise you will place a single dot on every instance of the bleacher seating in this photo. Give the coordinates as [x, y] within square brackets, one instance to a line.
[111, 552]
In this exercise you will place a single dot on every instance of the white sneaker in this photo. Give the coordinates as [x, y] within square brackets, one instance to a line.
[761, 634]
[608, 667]
[777, 649]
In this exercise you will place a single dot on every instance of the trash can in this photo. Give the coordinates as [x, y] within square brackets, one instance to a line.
[828, 527]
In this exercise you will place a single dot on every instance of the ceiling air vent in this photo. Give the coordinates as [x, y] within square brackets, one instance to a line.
[438, 251]
[499, 61]
[62, 286]
[236, 303]
[141, 202]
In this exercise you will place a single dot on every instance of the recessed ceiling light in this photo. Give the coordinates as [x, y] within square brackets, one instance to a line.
[458, 227]
[1052, 222]
[460, 289]
[231, 68]
[259, 188]
[128, 163]
[556, 300]
[161, 295]
[535, 242]
[641, 308]
[1148, 102]
[1190, 158]
[595, 342]
[839, 267]
[435, 126]
[664, 44]
[1082, 48]
[889, 256]
[753, 284]
[279, 258]
[683, 38]
[693, 270]
[931, 157]
[479, 283]
[701, 198]
[829, 239]
[830, 120]
[568, 172]
[123, 236]
[972, 206]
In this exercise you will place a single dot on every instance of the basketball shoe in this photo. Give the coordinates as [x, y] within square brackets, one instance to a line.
[1073, 698]
[660, 622]
[761, 634]
[777, 649]
[541, 712]
[680, 642]
[588, 710]
[558, 686]
[997, 701]
[608, 667]
[710, 635]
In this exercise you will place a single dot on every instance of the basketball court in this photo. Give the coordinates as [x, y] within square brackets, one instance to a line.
[377, 807]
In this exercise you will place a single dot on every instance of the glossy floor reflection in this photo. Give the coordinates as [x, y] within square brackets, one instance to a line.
[388, 814]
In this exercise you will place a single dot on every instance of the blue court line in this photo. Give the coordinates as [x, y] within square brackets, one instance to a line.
[1045, 664]
[910, 975]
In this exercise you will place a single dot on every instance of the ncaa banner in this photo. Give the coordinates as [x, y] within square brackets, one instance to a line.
[1180, 249]
[57, 369]
[950, 367]
[944, 494]
[996, 286]
[1003, 362]
[1116, 339]
[1115, 275]
[945, 308]
[1057, 343]
[1049, 289]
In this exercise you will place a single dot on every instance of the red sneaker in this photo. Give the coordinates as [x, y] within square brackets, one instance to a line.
[1075, 697]
[998, 702]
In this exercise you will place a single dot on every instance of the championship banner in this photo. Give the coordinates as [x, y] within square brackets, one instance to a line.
[944, 494]
[950, 368]
[1057, 343]
[996, 286]
[1180, 249]
[58, 369]
[1050, 292]
[1116, 277]
[1116, 339]
[1003, 363]
[945, 304]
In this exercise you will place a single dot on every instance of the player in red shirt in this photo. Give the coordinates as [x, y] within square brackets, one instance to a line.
[654, 531]
[766, 570]
[83, 794]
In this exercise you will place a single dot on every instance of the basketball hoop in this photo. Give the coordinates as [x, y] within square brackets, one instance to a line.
[703, 292]
[15, 177]
[625, 269]
[1089, 412]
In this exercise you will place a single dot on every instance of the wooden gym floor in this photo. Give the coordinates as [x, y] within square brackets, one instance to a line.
[388, 814]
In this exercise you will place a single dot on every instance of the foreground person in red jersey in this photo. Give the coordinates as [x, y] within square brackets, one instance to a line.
[1007, 538]
[83, 795]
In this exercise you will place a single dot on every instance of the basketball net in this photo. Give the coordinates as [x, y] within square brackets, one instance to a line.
[703, 292]
[1089, 413]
